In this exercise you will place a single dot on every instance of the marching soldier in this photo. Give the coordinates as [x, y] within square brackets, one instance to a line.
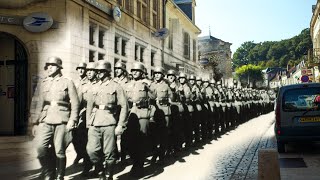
[141, 113]
[79, 147]
[55, 116]
[163, 124]
[197, 117]
[177, 113]
[103, 125]
[121, 74]
[186, 96]
[222, 106]
[82, 125]
[121, 77]
[207, 95]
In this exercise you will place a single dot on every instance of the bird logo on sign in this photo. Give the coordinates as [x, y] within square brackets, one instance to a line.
[38, 21]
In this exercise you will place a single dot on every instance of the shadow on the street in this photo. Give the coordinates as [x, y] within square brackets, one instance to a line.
[303, 147]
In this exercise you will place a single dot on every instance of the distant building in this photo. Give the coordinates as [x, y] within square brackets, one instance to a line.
[181, 46]
[211, 47]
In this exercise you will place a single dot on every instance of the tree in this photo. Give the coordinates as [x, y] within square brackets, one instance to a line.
[249, 73]
[241, 56]
[213, 61]
[273, 53]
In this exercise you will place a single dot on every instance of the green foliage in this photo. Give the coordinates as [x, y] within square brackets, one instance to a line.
[273, 53]
[249, 73]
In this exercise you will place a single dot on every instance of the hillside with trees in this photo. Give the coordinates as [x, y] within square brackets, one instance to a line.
[274, 53]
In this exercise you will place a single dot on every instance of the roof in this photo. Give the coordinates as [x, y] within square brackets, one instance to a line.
[203, 38]
[182, 1]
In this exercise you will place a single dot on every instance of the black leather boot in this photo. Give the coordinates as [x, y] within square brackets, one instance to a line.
[87, 165]
[99, 170]
[109, 170]
[61, 168]
[47, 172]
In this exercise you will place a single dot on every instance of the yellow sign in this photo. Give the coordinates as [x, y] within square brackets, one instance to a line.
[310, 119]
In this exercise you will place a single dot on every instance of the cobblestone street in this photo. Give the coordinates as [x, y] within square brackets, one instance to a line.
[234, 155]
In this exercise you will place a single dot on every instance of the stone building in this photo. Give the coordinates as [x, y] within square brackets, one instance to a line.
[181, 50]
[86, 31]
[217, 50]
[75, 30]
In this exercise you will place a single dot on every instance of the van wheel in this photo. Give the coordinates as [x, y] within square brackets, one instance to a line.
[281, 147]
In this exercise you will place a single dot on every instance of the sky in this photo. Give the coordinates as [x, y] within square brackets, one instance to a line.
[238, 21]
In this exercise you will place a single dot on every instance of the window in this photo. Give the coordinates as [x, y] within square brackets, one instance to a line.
[186, 45]
[126, 4]
[116, 41]
[101, 56]
[91, 56]
[194, 50]
[152, 57]
[142, 10]
[300, 99]
[120, 2]
[91, 34]
[155, 13]
[139, 52]
[97, 42]
[101, 38]
[123, 47]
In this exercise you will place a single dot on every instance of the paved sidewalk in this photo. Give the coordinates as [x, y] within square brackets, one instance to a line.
[300, 162]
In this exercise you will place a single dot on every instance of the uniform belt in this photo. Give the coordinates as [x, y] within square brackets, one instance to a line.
[57, 103]
[140, 104]
[104, 107]
[164, 101]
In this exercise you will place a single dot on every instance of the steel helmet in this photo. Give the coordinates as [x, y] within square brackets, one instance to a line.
[159, 70]
[120, 65]
[91, 66]
[81, 65]
[182, 75]
[53, 60]
[212, 81]
[205, 80]
[138, 66]
[103, 65]
[219, 83]
[171, 72]
[192, 77]
[198, 78]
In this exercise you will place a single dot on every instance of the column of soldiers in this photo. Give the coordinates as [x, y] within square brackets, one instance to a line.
[110, 118]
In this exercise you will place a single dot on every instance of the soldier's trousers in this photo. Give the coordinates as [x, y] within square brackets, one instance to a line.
[80, 139]
[187, 126]
[177, 127]
[137, 139]
[196, 120]
[56, 133]
[102, 139]
[58, 137]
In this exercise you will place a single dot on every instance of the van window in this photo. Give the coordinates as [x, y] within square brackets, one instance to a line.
[301, 99]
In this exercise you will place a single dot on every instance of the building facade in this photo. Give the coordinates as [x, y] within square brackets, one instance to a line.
[181, 45]
[217, 50]
[75, 30]
[85, 31]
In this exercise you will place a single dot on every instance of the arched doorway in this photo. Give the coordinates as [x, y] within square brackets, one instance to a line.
[13, 86]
